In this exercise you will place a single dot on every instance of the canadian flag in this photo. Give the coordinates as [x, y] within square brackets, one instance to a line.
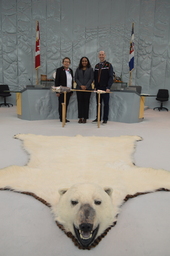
[37, 47]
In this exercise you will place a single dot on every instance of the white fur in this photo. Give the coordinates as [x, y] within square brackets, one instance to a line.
[60, 162]
[85, 193]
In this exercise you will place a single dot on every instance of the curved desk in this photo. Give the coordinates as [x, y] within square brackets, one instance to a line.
[36, 103]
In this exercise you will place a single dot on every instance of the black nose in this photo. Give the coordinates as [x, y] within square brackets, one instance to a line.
[86, 227]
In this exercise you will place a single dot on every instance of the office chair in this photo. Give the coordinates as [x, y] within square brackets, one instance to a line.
[162, 96]
[4, 93]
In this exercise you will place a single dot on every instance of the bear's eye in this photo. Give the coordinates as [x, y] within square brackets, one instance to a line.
[74, 202]
[97, 202]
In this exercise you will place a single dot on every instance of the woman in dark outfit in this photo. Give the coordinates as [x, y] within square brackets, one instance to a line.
[64, 77]
[83, 78]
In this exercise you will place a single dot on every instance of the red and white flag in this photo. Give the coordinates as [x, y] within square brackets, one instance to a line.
[37, 47]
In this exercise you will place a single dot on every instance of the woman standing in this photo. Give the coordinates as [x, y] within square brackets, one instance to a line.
[83, 78]
[64, 77]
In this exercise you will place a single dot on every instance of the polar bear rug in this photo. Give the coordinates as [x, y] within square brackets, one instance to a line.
[84, 180]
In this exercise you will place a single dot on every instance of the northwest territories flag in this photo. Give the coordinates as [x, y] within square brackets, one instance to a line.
[131, 52]
[37, 47]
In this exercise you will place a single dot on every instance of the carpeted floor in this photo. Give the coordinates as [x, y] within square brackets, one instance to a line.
[143, 228]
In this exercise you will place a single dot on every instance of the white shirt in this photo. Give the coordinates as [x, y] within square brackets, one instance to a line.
[69, 78]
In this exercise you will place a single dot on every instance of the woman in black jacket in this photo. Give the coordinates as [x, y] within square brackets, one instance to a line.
[84, 79]
[64, 77]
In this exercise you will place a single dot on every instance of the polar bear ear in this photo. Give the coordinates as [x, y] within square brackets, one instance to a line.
[62, 191]
[108, 190]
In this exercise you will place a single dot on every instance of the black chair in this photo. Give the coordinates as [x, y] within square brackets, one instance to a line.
[162, 96]
[4, 93]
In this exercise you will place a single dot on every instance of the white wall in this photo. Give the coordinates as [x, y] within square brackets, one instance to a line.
[75, 28]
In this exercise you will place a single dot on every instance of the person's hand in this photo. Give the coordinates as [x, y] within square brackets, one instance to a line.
[83, 87]
[107, 90]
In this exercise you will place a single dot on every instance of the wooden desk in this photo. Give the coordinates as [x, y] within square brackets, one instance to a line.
[19, 103]
[36, 103]
[142, 104]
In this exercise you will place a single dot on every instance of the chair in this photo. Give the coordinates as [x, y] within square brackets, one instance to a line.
[162, 96]
[4, 93]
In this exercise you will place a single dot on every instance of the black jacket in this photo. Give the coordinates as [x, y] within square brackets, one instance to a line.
[61, 78]
[103, 76]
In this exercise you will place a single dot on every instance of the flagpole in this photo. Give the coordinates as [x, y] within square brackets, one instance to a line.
[130, 78]
[37, 79]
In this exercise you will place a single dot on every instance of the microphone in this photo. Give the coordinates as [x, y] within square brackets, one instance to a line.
[31, 85]
[30, 81]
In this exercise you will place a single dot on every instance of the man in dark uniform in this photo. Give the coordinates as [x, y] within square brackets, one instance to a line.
[103, 78]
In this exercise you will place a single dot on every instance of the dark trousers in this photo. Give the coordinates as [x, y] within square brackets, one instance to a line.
[60, 101]
[83, 99]
[105, 98]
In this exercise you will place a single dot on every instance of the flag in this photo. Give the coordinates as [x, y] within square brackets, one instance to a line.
[131, 52]
[37, 47]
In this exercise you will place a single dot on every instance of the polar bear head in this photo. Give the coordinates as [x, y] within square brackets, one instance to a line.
[85, 210]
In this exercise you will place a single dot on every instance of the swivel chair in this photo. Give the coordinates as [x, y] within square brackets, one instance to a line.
[4, 93]
[162, 96]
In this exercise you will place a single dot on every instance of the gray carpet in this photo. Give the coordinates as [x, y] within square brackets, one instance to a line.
[143, 228]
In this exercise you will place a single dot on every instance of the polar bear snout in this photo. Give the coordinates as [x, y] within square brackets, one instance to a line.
[85, 231]
[86, 214]
[86, 227]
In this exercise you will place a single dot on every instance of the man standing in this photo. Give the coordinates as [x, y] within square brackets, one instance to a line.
[103, 78]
